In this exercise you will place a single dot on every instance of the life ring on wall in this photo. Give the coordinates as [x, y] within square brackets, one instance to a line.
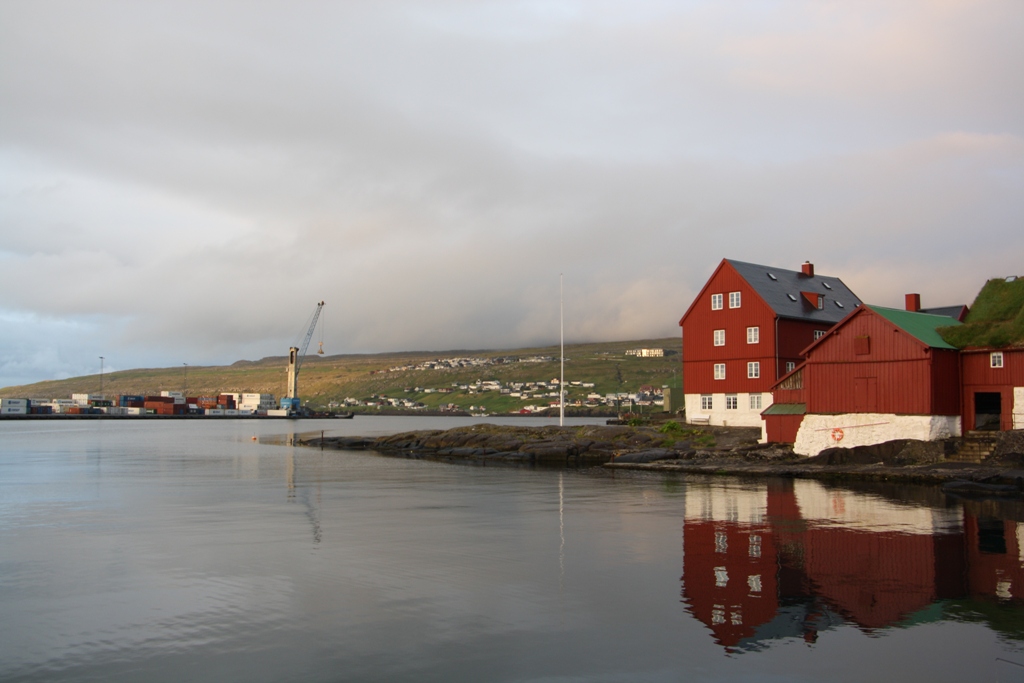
[836, 434]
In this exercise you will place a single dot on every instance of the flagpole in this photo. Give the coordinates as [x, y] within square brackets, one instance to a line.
[561, 381]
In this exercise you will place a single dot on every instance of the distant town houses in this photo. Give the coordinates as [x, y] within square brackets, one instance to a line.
[540, 393]
[798, 354]
[468, 362]
[646, 353]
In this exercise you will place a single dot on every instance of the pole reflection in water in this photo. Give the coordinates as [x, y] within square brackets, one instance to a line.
[795, 558]
[310, 496]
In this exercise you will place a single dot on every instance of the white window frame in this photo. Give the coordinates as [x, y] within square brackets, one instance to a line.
[755, 401]
[754, 369]
[753, 335]
[707, 402]
[719, 338]
[818, 334]
[790, 366]
[734, 299]
[732, 402]
[716, 302]
[995, 359]
[719, 370]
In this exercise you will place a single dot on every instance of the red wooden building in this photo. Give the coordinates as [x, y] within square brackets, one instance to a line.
[880, 374]
[993, 388]
[992, 356]
[745, 329]
[814, 550]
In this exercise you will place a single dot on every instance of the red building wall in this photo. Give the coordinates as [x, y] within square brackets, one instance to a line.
[873, 579]
[795, 336]
[716, 586]
[979, 376]
[895, 376]
[995, 570]
[699, 352]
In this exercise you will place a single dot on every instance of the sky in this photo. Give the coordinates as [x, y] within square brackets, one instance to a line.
[182, 182]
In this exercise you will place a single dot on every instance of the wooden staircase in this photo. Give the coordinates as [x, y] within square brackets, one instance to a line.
[976, 447]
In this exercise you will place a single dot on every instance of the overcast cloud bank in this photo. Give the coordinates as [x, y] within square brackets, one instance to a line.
[182, 182]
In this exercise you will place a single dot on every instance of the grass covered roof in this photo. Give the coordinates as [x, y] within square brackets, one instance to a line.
[996, 319]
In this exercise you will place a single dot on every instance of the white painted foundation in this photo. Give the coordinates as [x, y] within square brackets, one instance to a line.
[818, 432]
[1018, 407]
[742, 416]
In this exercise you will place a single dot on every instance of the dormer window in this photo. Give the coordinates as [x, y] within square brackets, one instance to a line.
[814, 299]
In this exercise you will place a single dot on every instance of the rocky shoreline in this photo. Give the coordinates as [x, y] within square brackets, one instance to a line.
[675, 448]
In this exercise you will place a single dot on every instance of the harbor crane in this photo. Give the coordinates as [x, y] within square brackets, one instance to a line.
[295, 355]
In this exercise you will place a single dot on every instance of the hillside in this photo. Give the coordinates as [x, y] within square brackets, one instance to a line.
[996, 319]
[333, 378]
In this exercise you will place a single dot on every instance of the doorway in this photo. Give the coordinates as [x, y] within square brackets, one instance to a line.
[988, 408]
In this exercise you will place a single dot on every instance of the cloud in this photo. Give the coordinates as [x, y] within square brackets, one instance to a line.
[203, 175]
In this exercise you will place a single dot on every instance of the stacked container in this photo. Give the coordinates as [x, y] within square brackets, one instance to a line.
[14, 406]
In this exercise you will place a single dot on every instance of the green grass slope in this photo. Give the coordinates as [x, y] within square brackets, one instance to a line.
[996, 318]
[333, 378]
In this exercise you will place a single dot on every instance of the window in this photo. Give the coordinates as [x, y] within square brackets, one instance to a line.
[753, 335]
[826, 285]
[753, 370]
[995, 359]
[772, 276]
[755, 401]
[716, 302]
[734, 299]
[732, 402]
[719, 370]
[839, 304]
[706, 402]
[821, 302]
[818, 334]
[719, 337]
[721, 542]
[790, 366]
[721, 580]
[791, 297]
[754, 549]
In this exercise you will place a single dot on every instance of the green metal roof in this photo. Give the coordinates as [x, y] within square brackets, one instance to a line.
[786, 409]
[922, 326]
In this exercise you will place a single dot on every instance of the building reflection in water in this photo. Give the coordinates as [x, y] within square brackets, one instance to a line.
[793, 558]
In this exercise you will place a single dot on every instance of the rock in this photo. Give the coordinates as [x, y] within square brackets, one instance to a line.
[650, 455]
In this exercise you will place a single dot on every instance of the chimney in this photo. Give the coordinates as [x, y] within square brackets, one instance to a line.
[807, 269]
[914, 302]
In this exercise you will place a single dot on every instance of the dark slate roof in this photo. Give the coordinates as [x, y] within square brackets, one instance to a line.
[953, 312]
[839, 300]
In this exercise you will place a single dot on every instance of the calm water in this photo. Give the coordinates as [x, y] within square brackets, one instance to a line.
[186, 551]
